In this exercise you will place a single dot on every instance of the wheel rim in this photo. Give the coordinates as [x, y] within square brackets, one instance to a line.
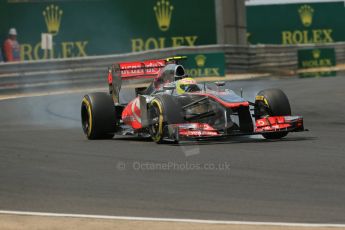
[156, 126]
[262, 110]
[86, 117]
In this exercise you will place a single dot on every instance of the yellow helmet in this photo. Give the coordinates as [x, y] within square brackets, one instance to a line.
[183, 84]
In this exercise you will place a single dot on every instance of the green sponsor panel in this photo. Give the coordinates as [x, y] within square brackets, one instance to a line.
[205, 65]
[317, 58]
[296, 23]
[3, 20]
[96, 27]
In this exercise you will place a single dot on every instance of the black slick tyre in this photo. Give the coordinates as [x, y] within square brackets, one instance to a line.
[272, 102]
[163, 110]
[98, 116]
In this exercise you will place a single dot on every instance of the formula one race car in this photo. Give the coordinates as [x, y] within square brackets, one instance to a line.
[174, 107]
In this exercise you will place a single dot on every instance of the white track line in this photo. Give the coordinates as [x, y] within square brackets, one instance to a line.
[195, 221]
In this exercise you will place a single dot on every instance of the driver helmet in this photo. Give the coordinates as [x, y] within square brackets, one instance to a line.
[183, 85]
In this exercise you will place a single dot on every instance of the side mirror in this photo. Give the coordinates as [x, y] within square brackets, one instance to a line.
[169, 87]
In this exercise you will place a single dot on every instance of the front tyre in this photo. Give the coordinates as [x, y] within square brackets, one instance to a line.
[272, 102]
[98, 116]
[163, 110]
[156, 121]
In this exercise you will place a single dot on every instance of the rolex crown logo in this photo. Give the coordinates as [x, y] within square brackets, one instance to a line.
[52, 16]
[306, 15]
[200, 60]
[163, 10]
[316, 54]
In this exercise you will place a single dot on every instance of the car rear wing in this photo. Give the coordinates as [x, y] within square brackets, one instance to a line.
[126, 71]
[139, 70]
[145, 69]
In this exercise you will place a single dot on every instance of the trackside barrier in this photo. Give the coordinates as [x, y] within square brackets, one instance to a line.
[89, 70]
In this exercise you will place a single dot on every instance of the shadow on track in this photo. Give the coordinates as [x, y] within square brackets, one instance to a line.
[244, 141]
[236, 140]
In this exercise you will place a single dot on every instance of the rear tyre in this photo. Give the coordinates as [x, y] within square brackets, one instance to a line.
[272, 102]
[163, 110]
[98, 116]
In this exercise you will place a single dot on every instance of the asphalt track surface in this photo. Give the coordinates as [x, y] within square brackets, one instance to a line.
[47, 165]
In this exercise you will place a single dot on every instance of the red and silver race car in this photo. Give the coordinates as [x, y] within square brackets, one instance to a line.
[175, 108]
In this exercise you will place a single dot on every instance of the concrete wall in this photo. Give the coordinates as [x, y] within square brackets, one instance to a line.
[231, 22]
